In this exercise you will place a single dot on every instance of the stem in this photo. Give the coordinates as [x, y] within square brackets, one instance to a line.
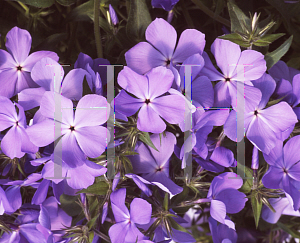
[16, 6]
[97, 28]
[187, 17]
[211, 13]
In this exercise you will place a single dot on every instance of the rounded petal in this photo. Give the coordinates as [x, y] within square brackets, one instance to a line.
[33, 58]
[143, 57]
[133, 82]
[140, 211]
[18, 43]
[203, 92]
[273, 177]
[11, 143]
[7, 61]
[160, 80]
[227, 55]
[165, 183]
[120, 211]
[126, 104]
[162, 36]
[30, 98]
[291, 151]
[149, 120]
[218, 210]
[95, 108]
[92, 140]
[190, 42]
[117, 232]
[171, 108]
[8, 81]
[72, 84]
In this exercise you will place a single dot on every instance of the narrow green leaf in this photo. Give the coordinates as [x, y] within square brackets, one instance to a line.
[138, 19]
[177, 226]
[99, 188]
[145, 138]
[246, 187]
[237, 17]
[274, 56]
[256, 207]
[290, 231]
[166, 202]
[235, 38]
[271, 37]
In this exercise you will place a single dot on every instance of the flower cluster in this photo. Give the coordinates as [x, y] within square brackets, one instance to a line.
[80, 167]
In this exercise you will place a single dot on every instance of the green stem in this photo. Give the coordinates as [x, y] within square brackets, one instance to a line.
[16, 6]
[97, 28]
[211, 13]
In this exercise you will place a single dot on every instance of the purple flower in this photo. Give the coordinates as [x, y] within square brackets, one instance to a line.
[225, 198]
[160, 48]
[125, 230]
[153, 165]
[16, 142]
[284, 171]
[5, 206]
[16, 65]
[262, 126]
[49, 75]
[235, 66]
[150, 102]
[81, 133]
[167, 5]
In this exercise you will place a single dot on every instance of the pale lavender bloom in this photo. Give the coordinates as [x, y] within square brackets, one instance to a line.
[125, 230]
[16, 142]
[222, 233]
[113, 15]
[16, 65]
[81, 132]
[160, 49]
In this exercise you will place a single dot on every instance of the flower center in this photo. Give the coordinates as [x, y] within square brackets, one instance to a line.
[158, 169]
[227, 79]
[19, 68]
[17, 123]
[72, 128]
[255, 112]
[147, 101]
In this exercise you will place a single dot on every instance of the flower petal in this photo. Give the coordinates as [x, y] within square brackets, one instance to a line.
[117, 232]
[162, 36]
[190, 42]
[8, 81]
[18, 44]
[33, 58]
[291, 151]
[126, 104]
[218, 210]
[11, 143]
[93, 106]
[140, 211]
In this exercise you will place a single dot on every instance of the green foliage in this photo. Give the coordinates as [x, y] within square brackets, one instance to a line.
[38, 3]
[99, 188]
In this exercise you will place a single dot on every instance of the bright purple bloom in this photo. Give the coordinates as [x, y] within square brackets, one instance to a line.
[262, 126]
[167, 5]
[236, 66]
[222, 193]
[16, 142]
[16, 65]
[125, 230]
[160, 49]
[153, 165]
[284, 170]
[222, 233]
[81, 132]
[5, 206]
[282, 206]
[150, 102]
[49, 75]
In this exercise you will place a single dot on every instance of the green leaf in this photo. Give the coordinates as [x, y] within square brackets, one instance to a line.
[85, 87]
[166, 202]
[66, 2]
[247, 186]
[99, 188]
[138, 19]
[235, 38]
[271, 37]
[256, 207]
[274, 56]
[237, 17]
[69, 205]
[38, 3]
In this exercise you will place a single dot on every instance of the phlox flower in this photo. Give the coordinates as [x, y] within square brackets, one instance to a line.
[16, 65]
[151, 102]
[81, 133]
[236, 66]
[284, 169]
[160, 49]
[125, 230]
[221, 233]
[16, 142]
